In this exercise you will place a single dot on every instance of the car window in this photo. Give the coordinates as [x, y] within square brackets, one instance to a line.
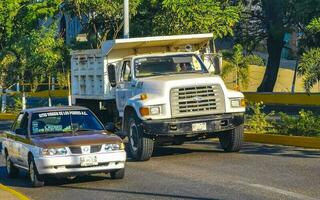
[63, 122]
[17, 123]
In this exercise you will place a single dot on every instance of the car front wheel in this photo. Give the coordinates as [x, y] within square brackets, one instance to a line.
[35, 178]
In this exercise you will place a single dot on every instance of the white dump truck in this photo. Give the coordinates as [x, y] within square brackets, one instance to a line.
[158, 91]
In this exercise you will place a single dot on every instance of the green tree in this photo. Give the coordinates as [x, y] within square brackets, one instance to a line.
[238, 67]
[194, 16]
[270, 20]
[100, 19]
[22, 35]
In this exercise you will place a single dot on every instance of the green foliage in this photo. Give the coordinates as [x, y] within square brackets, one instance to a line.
[254, 60]
[30, 49]
[194, 16]
[100, 19]
[237, 66]
[306, 124]
[309, 68]
[259, 122]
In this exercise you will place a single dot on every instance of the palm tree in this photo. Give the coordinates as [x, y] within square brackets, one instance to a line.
[309, 68]
[238, 66]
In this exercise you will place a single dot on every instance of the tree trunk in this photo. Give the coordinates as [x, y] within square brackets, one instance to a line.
[270, 76]
[274, 17]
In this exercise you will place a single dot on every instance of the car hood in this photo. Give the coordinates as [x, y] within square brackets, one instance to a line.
[81, 139]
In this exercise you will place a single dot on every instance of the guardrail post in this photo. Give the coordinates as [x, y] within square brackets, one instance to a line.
[24, 102]
[3, 100]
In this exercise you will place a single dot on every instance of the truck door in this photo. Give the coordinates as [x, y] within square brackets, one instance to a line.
[124, 90]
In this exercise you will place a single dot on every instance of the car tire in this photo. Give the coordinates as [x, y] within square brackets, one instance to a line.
[140, 147]
[231, 141]
[35, 178]
[118, 174]
[12, 171]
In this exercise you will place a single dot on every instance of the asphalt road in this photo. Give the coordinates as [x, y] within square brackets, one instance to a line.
[195, 171]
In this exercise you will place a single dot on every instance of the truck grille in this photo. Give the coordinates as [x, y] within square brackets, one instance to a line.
[199, 100]
[93, 149]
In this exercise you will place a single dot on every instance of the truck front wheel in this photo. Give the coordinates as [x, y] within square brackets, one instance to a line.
[232, 140]
[140, 147]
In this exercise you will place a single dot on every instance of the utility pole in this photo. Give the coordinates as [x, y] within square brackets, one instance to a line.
[126, 33]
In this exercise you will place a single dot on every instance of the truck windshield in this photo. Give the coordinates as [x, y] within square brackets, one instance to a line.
[173, 64]
[64, 121]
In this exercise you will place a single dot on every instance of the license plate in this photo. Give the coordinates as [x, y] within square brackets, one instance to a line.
[199, 126]
[86, 161]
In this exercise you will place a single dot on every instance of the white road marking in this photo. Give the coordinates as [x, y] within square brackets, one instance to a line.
[279, 191]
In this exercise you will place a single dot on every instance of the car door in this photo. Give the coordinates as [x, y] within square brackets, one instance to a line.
[124, 88]
[11, 138]
[22, 141]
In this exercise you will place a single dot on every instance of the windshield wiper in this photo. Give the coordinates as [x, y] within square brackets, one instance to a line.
[84, 129]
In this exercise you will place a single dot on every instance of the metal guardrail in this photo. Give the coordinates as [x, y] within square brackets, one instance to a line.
[312, 99]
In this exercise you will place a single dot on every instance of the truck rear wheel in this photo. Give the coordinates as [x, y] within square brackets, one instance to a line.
[140, 147]
[232, 140]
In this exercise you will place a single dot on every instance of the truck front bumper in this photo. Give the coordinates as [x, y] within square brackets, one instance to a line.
[71, 164]
[186, 126]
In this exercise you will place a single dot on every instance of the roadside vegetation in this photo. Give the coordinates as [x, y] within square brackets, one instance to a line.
[306, 123]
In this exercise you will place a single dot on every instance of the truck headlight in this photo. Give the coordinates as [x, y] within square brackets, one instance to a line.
[54, 152]
[114, 147]
[155, 110]
[151, 110]
[237, 103]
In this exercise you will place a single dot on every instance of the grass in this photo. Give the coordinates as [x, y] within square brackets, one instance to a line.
[283, 84]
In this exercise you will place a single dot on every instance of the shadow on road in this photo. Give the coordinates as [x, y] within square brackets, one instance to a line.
[285, 151]
[138, 193]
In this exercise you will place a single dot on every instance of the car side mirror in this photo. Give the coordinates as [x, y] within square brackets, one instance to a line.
[112, 75]
[217, 63]
[20, 131]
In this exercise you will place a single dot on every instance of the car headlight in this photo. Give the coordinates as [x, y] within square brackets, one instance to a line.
[114, 147]
[54, 152]
[237, 103]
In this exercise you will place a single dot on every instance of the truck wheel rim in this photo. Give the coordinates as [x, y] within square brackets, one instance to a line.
[8, 164]
[133, 136]
[31, 172]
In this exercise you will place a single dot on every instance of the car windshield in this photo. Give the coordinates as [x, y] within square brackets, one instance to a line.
[173, 64]
[63, 122]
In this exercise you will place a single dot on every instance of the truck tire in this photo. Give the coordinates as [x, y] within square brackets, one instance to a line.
[35, 178]
[140, 147]
[118, 174]
[232, 140]
[12, 171]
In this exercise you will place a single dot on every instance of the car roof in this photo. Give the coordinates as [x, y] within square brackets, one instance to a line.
[54, 108]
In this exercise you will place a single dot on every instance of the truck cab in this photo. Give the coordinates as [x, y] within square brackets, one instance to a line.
[167, 95]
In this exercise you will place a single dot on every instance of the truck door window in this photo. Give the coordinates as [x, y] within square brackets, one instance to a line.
[126, 71]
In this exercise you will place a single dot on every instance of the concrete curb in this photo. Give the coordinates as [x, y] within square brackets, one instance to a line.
[298, 141]
[13, 192]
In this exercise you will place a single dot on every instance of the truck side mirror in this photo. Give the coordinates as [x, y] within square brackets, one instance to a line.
[217, 63]
[112, 75]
